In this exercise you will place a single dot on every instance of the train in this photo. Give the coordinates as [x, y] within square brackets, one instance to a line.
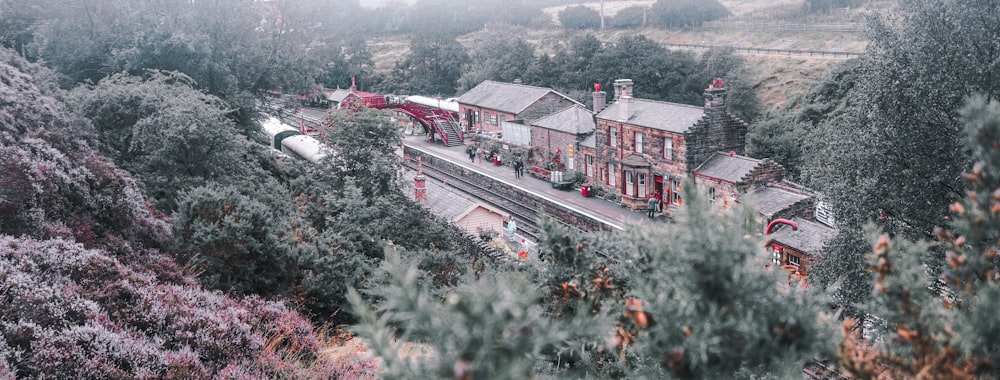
[292, 142]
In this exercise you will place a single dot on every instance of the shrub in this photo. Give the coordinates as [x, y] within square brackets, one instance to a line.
[579, 17]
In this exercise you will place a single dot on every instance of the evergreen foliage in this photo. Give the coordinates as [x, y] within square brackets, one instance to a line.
[691, 301]
[433, 67]
[890, 148]
[631, 17]
[580, 17]
[169, 134]
[234, 240]
[940, 325]
[500, 56]
[87, 293]
[685, 13]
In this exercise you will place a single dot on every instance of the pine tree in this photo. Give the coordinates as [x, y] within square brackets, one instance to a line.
[940, 325]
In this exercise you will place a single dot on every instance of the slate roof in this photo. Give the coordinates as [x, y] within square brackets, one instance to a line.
[590, 141]
[670, 117]
[338, 95]
[575, 119]
[445, 202]
[727, 168]
[811, 237]
[769, 200]
[635, 160]
[506, 97]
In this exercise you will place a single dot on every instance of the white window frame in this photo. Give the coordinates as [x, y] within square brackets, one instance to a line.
[668, 148]
[638, 142]
[590, 166]
[794, 260]
[677, 191]
[629, 183]
[642, 185]
[776, 252]
[613, 135]
[711, 194]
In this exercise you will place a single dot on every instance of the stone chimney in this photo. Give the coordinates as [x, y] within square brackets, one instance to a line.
[354, 85]
[623, 85]
[600, 98]
[420, 183]
[715, 96]
[624, 106]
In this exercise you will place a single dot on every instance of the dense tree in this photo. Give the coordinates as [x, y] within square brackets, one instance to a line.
[943, 330]
[580, 17]
[86, 292]
[499, 55]
[432, 67]
[685, 13]
[229, 48]
[658, 73]
[235, 240]
[701, 306]
[631, 17]
[784, 135]
[901, 121]
[354, 61]
[741, 98]
[169, 134]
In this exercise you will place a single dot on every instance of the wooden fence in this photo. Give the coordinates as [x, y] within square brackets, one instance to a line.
[753, 50]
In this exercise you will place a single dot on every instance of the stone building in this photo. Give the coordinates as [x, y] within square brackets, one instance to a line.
[561, 133]
[727, 176]
[485, 107]
[646, 147]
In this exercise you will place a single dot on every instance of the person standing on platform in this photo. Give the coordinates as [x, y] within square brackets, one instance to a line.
[471, 150]
[479, 156]
[653, 202]
[518, 168]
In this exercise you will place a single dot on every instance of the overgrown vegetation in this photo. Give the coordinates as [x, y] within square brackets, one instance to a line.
[147, 110]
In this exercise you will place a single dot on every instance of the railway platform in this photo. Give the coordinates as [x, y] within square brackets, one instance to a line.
[602, 209]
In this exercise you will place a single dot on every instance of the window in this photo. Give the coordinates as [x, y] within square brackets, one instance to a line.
[638, 142]
[612, 174]
[629, 184]
[493, 119]
[571, 163]
[776, 254]
[590, 166]
[614, 135]
[668, 148]
[793, 260]
[678, 191]
[642, 186]
[711, 194]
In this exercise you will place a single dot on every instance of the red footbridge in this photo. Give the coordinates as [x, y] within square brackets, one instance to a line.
[438, 116]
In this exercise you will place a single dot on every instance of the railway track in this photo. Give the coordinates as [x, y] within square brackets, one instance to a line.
[527, 218]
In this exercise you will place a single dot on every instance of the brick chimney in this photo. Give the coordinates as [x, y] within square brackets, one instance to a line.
[354, 85]
[600, 98]
[420, 183]
[715, 96]
[623, 85]
[624, 105]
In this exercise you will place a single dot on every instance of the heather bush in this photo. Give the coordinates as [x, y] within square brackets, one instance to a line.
[72, 312]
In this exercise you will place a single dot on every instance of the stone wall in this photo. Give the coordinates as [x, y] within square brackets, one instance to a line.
[547, 105]
[549, 141]
[718, 131]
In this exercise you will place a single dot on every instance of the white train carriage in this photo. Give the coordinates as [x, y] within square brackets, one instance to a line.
[304, 147]
[450, 104]
[276, 131]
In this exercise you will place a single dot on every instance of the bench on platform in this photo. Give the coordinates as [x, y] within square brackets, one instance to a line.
[540, 172]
